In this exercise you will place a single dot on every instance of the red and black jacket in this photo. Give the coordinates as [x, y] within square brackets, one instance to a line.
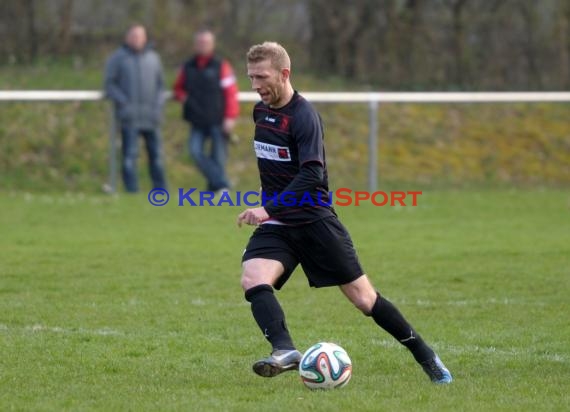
[209, 91]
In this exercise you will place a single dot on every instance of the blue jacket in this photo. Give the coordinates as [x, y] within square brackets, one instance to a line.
[134, 81]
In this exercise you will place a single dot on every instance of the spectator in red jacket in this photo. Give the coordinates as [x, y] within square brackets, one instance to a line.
[207, 87]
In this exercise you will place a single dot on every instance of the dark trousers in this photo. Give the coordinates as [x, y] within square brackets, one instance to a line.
[153, 145]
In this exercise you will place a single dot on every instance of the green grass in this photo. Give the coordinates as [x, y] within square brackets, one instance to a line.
[108, 303]
[82, 75]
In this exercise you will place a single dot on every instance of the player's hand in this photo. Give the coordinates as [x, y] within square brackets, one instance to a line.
[253, 216]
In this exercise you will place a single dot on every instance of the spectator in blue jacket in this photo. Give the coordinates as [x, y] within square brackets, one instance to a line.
[134, 81]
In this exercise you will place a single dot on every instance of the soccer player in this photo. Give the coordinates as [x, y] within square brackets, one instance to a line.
[288, 144]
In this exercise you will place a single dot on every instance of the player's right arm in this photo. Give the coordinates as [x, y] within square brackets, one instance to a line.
[254, 216]
[309, 177]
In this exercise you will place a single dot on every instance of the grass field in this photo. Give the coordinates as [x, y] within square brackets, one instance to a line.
[108, 303]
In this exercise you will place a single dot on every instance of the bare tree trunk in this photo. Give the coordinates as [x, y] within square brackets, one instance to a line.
[564, 44]
[412, 20]
[353, 52]
[66, 22]
[457, 7]
[325, 30]
[390, 52]
[230, 24]
[29, 6]
[535, 79]
[160, 18]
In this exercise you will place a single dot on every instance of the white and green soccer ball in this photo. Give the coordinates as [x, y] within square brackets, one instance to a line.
[325, 366]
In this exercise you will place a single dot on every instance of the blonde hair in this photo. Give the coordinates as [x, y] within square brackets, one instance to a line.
[269, 51]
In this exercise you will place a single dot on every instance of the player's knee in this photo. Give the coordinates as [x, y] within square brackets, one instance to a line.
[362, 295]
[246, 282]
[260, 272]
[250, 280]
[364, 303]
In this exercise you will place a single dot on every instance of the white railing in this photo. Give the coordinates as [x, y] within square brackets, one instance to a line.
[372, 98]
[324, 97]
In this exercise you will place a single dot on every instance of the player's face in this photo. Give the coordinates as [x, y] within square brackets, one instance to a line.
[268, 82]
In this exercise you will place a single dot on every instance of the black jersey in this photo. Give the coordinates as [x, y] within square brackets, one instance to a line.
[286, 139]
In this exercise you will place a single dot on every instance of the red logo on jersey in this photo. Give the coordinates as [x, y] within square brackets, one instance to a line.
[284, 123]
[283, 153]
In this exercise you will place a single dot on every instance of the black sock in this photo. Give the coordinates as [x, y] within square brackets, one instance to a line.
[389, 318]
[269, 316]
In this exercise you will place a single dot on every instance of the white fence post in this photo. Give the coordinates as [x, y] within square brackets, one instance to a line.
[112, 149]
[373, 146]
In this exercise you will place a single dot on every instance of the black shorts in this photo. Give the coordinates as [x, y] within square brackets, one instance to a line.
[323, 248]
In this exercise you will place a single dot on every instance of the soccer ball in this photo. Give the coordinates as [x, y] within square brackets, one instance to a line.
[325, 366]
